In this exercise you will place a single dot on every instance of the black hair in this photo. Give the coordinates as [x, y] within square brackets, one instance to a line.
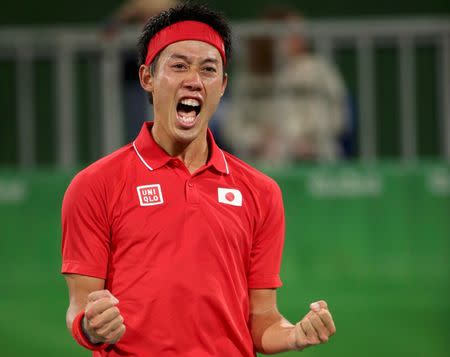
[183, 12]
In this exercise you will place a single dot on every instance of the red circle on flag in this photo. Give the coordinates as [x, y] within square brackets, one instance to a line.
[229, 196]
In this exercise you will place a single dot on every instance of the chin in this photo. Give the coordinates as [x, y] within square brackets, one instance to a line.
[186, 136]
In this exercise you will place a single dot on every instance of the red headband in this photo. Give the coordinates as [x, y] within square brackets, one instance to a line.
[182, 31]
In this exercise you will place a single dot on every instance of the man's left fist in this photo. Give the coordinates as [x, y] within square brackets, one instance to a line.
[315, 328]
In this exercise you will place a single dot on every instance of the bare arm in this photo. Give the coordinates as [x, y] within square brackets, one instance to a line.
[102, 322]
[80, 287]
[270, 330]
[272, 333]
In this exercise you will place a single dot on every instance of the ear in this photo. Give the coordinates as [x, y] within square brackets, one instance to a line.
[146, 78]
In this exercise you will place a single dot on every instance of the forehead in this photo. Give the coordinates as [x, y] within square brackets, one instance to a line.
[192, 49]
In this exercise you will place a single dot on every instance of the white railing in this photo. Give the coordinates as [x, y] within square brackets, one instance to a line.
[62, 44]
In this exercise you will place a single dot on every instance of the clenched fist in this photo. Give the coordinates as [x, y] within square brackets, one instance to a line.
[315, 328]
[102, 321]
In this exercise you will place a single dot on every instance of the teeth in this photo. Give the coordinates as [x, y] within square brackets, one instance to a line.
[191, 102]
[186, 119]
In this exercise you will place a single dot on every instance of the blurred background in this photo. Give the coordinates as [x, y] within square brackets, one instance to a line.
[345, 104]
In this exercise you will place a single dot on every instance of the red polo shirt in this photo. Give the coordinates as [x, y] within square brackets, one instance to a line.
[179, 251]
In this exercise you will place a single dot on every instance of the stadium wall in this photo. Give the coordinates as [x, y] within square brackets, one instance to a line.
[371, 239]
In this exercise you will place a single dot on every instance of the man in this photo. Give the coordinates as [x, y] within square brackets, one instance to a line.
[172, 247]
[307, 92]
[314, 99]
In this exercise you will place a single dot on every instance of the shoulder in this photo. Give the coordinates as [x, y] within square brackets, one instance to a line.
[263, 197]
[252, 177]
[322, 65]
[108, 169]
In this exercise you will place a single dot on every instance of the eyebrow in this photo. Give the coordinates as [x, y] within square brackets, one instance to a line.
[186, 58]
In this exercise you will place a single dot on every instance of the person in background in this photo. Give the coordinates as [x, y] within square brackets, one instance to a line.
[252, 128]
[312, 98]
[133, 12]
[291, 104]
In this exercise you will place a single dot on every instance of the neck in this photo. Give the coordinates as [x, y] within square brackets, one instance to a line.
[193, 154]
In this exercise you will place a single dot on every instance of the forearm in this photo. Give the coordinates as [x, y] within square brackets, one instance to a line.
[79, 288]
[72, 312]
[272, 333]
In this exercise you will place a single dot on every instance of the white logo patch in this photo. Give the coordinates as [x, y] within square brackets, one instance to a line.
[150, 195]
[229, 196]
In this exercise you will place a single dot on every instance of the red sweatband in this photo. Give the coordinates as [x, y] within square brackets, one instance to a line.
[81, 338]
[182, 31]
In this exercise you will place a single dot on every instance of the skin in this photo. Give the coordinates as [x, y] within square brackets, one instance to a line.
[102, 322]
[193, 69]
[272, 333]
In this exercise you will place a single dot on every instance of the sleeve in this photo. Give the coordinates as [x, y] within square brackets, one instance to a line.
[267, 247]
[85, 228]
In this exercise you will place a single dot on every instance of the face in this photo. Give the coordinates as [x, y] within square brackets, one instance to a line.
[294, 44]
[186, 87]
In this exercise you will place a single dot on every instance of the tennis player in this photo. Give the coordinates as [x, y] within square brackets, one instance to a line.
[171, 246]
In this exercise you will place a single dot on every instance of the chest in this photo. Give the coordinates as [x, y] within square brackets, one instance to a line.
[169, 217]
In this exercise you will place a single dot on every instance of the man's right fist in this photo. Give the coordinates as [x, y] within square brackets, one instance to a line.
[102, 322]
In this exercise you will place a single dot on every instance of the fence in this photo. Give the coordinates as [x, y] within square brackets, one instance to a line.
[63, 45]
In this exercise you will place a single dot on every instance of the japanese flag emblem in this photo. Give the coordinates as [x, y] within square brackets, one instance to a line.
[229, 196]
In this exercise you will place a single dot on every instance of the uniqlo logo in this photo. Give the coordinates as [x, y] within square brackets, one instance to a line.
[150, 195]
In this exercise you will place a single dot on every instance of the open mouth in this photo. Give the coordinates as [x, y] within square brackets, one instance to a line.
[187, 111]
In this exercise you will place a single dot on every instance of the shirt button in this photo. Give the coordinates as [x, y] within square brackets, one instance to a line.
[190, 184]
[176, 163]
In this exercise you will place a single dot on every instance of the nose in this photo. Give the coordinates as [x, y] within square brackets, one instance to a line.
[193, 81]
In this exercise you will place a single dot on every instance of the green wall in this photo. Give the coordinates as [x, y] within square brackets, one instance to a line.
[371, 240]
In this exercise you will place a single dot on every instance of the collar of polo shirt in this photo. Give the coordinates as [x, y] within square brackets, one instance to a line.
[154, 157]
